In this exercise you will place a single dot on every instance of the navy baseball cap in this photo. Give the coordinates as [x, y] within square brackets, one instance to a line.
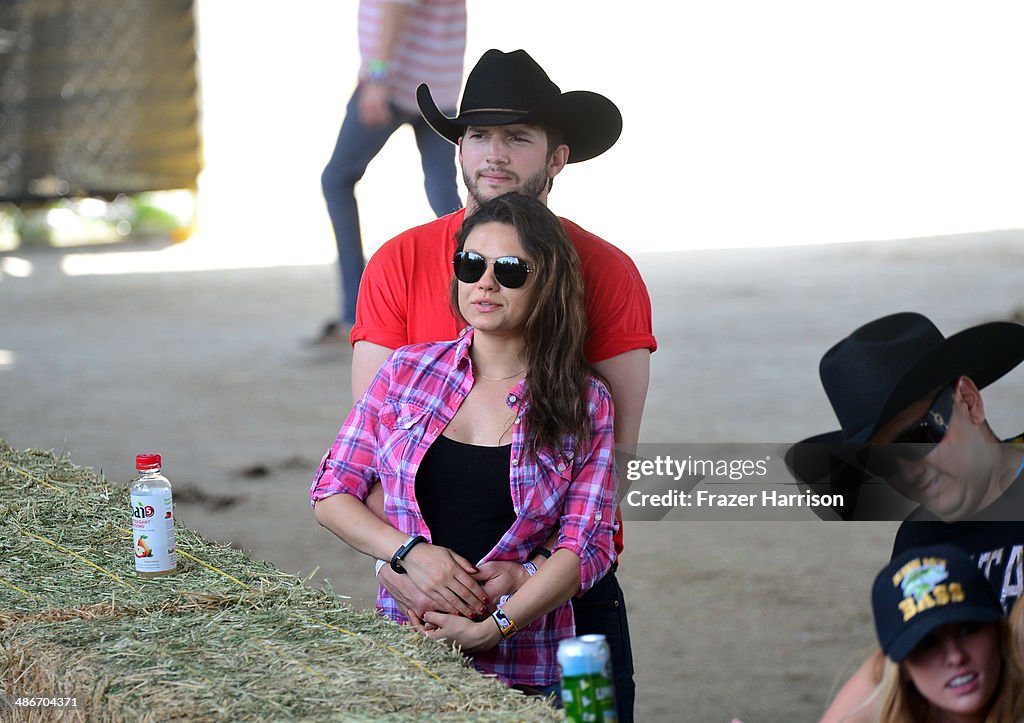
[926, 588]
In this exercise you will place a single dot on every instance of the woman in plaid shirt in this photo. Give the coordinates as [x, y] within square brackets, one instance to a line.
[487, 446]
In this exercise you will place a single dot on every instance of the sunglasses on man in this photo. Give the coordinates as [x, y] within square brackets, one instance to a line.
[916, 441]
[510, 271]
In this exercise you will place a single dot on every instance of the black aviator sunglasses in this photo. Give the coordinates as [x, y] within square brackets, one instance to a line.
[510, 271]
[916, 441]
[931, 428]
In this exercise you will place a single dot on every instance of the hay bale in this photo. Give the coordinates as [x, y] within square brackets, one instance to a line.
[225, 638]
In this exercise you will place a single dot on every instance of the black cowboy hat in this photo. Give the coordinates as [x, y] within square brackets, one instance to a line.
[507, 88]
[890, 363]
[887, 365]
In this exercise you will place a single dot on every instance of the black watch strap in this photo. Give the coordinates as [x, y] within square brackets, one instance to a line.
[403, 551]
[542, 551]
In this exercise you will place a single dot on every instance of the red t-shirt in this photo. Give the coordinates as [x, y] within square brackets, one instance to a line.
[404, 294]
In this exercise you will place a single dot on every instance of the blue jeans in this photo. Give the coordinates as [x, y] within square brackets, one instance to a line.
[602, 610]
[357, 145]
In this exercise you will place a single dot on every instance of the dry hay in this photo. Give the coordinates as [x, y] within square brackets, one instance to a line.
[224, 638]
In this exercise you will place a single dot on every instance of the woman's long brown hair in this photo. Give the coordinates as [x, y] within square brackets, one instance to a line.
[557, 371]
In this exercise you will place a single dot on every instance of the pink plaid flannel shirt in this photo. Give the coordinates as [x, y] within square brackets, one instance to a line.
[411, 400]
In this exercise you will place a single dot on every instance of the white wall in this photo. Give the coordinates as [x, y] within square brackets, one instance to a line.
[747, 123]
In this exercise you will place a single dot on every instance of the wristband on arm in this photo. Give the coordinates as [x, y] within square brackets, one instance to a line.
[403, 551]
[377, 72]
[377, 566]
[542, 551]
[506, 626]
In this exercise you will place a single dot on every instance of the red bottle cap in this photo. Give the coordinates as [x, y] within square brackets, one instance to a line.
[147, 461]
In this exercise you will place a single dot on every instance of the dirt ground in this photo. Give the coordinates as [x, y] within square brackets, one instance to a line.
[756, 620]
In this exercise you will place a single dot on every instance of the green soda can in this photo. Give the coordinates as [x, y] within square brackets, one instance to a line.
[588, 695]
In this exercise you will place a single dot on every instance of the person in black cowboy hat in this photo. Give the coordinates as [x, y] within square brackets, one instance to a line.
[511, 88]
[910, 409]
[515, 130]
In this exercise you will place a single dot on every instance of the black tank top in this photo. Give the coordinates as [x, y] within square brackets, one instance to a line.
[463, 493]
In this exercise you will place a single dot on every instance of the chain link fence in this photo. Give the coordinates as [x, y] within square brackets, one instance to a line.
[97, 98]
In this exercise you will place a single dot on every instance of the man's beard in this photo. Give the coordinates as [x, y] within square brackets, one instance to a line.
[533, 187]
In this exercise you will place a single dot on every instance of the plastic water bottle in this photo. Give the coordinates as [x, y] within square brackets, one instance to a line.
[152, 519]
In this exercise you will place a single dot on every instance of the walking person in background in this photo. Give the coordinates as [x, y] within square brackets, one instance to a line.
[402, 44]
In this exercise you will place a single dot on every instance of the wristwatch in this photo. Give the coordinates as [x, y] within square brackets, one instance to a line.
[506, 626]
[403, 551]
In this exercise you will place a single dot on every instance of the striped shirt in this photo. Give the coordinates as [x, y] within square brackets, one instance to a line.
[412, 399]
[430, 49]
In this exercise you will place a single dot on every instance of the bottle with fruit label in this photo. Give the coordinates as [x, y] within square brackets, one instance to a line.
[152, 519]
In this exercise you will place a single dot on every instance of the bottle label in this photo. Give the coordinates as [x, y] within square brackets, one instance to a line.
[153, 533]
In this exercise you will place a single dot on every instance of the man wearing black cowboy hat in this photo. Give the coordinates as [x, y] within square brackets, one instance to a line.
[908, 401]
[909, 405]
[516, 131]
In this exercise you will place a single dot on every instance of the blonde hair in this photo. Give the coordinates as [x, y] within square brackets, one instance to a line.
[1017, 637]
[902, 703]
